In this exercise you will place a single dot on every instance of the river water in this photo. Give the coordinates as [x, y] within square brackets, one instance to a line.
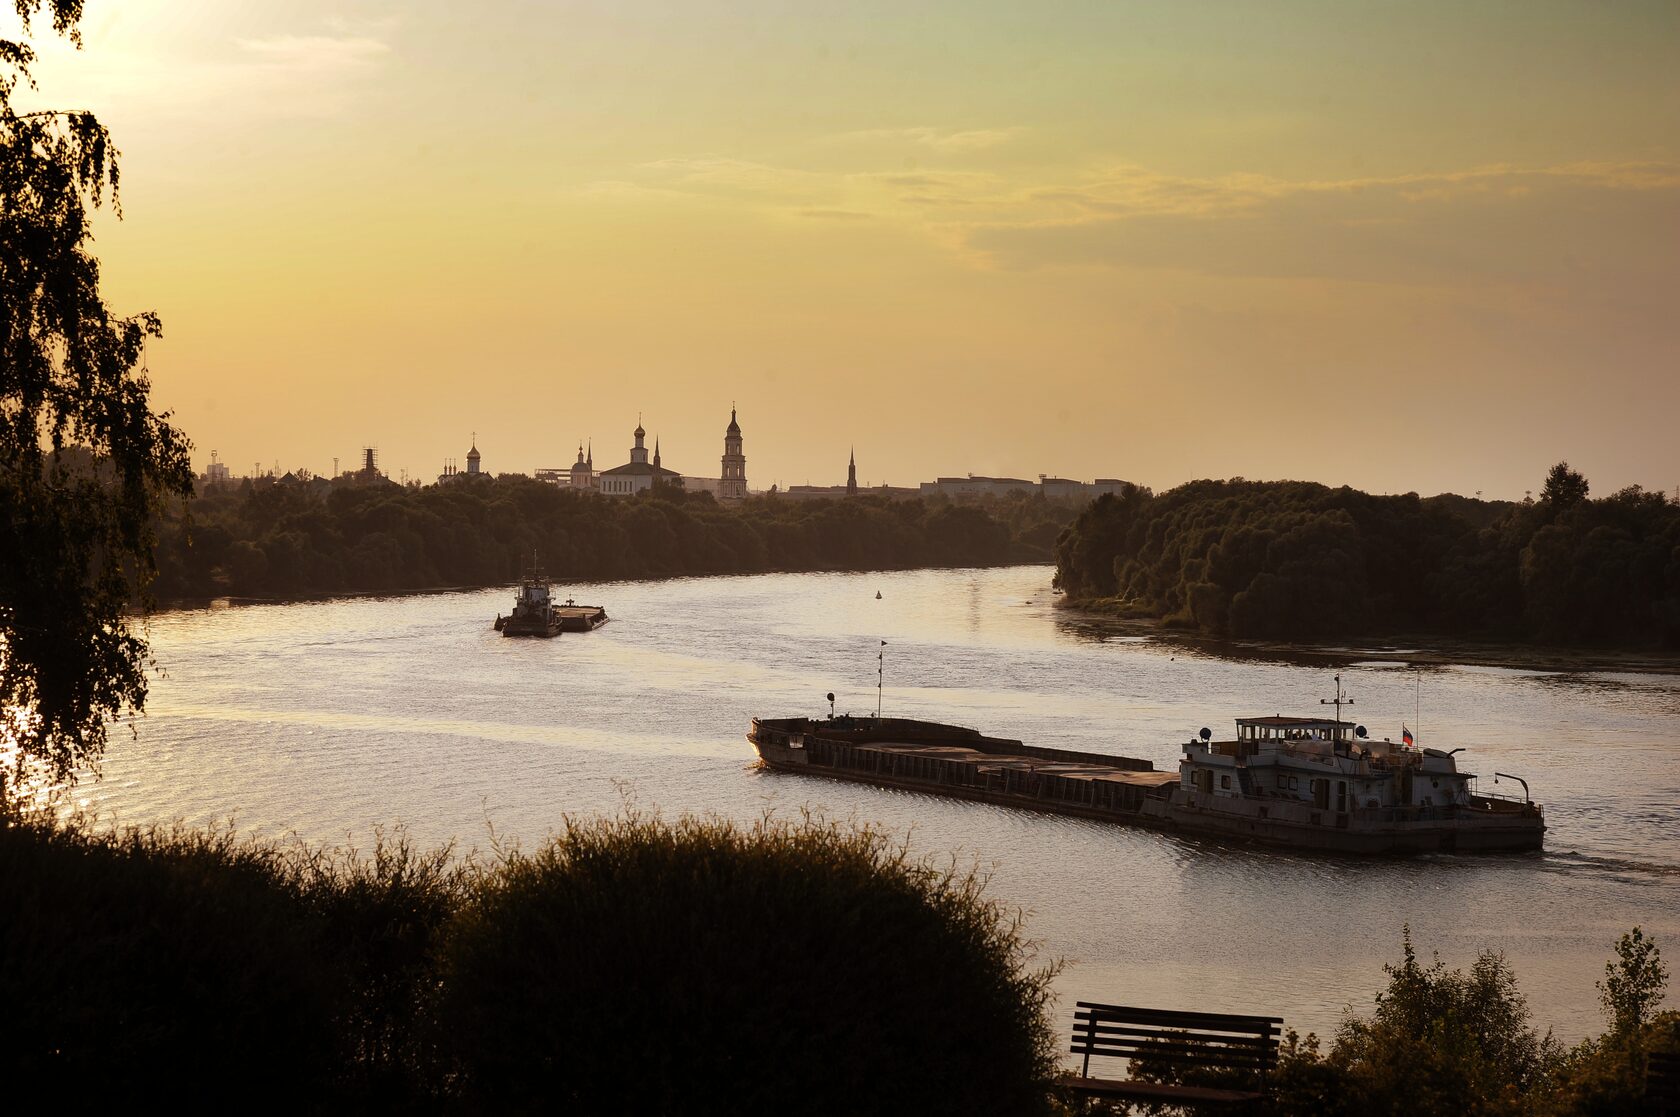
[326, 718]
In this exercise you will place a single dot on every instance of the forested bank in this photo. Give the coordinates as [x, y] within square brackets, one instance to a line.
[285, 539]
[1293, 560]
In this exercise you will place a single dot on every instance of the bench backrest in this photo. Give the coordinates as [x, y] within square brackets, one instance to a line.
[1192, 1039]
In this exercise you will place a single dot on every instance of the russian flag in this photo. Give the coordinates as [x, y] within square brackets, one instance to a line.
[1405, 735]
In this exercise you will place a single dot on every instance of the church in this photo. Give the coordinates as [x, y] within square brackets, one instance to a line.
[641, 473]
[637, 474]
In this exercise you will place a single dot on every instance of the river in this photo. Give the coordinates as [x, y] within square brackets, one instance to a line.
[326, 718]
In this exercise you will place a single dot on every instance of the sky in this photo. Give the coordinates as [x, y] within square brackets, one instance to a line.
[1407, 247]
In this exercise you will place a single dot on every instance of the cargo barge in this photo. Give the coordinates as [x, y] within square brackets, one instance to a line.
[1309, 784]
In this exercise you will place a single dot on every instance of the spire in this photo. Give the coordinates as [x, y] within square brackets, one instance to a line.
[590, 461]
[580, 453]
[851, 474]
[734, 427]
[656, 451]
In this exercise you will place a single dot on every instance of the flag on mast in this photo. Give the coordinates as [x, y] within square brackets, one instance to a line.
[1405, 734]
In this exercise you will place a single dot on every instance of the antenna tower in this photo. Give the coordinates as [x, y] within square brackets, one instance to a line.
[1339, 701]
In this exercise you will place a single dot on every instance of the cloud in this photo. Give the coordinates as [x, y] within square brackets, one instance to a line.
[713, 172]
[835, 214]
[1608, 224]
[1502, 224]
[949, 143]
[316, 52]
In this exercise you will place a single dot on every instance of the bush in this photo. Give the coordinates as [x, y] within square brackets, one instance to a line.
[159, 963]
[643, 966]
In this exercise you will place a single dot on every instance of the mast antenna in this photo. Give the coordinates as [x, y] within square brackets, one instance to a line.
[1339, 701]
[880, 677]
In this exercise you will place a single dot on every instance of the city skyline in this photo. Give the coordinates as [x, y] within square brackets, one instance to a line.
[1423, 250]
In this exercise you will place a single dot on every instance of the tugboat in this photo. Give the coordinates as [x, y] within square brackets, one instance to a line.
[534, 613]
[1322, 783]
[1307, 784]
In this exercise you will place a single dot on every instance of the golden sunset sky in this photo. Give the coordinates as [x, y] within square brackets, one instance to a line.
[1424, 246]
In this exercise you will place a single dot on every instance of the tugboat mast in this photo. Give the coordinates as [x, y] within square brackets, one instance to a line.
[1339, 701]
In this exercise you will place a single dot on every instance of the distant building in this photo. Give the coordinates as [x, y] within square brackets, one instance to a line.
[638, 474]
[732, 483]
[452, 473]
[850, 489]
[975, 487]
[216, 473]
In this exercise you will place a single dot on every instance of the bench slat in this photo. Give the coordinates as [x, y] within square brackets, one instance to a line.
[1099, 1033]
[1246, 1053]
[1214, 1020]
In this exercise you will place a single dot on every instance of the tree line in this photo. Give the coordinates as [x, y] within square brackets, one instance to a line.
[1293, 560]
[280, 538]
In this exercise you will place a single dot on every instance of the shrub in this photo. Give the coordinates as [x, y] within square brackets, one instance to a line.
[161, 963]
[635, 965]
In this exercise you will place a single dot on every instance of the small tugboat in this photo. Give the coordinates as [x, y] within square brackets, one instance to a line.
[534, 613]
[1309, 784]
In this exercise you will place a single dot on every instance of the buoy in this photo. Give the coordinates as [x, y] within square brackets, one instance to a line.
[877, 595]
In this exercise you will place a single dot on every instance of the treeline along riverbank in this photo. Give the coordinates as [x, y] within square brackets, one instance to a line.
[1293, 560]
[284, 539]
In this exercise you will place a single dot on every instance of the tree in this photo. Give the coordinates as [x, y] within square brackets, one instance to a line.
[1446, 1041]
[1633, 984]
[84, 461]
[785, 967]
[1564, 487]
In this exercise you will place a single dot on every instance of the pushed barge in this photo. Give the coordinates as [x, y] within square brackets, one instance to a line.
[536, 614]
[1299, 783]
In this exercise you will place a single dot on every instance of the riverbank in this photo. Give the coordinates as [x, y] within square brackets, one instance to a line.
[1423, 650]
[223, 600]
[288, 542]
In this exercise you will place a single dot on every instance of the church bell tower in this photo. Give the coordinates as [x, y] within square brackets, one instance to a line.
[732, 484]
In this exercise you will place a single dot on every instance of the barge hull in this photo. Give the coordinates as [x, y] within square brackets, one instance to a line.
[1164, 806]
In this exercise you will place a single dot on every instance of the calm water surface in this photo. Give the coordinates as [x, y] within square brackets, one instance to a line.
[327, 718]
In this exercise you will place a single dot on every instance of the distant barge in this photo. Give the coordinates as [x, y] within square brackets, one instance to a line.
[535, 614]
[1297, 783]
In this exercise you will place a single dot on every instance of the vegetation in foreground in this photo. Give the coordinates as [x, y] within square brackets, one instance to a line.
[1292, 560]
[1447, 1042]
[75, 541]
[626, 966]
[637, 965]
[289, 539]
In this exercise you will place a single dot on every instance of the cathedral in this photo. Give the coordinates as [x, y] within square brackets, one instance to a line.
[642, 472]
[637, 474]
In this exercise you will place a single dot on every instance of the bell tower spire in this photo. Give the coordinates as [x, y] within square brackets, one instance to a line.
[732, 483]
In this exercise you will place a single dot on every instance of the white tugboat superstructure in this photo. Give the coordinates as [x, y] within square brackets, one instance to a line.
[1323, 783]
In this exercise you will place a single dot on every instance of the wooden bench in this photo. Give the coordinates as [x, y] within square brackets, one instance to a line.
[1244, 1045]
[1662, 1083]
